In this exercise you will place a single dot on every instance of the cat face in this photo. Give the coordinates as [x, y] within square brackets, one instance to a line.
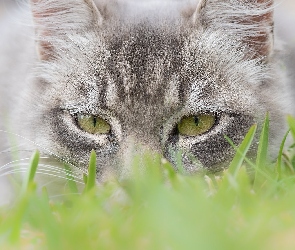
[172, 86]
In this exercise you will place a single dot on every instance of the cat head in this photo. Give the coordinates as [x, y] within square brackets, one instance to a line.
[167, 80]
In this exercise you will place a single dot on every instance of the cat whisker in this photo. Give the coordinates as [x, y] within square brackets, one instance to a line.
[21, 166]
[77, 180]
[14, 164]
[14, 171]
[58, 170]
[64, 183]
[43, 167]
[63, 195]
[38, 146]
[17, 163]
[58, 176]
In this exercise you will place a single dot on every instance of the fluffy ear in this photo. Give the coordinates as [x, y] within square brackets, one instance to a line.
[56, 18]
[250, 22]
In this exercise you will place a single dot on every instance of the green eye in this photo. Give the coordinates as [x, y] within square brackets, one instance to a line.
[195, 125]
[93, 124]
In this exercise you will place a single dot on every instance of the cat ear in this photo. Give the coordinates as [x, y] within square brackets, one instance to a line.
[198, 11]
[55, 18]
[250, 22]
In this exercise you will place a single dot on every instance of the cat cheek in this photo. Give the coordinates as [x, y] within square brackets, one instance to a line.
[210, 151]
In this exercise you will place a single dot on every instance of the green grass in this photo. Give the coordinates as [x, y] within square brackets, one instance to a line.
[161, 209]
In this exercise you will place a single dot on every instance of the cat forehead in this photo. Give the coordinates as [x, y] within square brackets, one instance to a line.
[134, 69]
[154, 66]
[145, 59]
[137, 58]
[144, 42]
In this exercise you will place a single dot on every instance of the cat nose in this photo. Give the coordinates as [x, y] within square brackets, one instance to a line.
[132, 152]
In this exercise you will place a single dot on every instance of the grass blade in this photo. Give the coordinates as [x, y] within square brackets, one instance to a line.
[263, 144]
[71, 180]
[31, 173]
[279, 162]
[291, 122]
[261, 158]
[90, 184]
[241, 151]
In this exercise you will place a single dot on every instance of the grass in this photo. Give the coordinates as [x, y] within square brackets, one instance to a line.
[161, 209]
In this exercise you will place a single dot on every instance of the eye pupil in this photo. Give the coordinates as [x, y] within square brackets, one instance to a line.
[196, 119]
[94, 121]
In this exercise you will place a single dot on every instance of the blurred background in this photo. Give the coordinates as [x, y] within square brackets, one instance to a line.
[285, 20]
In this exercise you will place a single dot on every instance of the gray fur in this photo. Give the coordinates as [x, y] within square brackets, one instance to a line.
[142, 71]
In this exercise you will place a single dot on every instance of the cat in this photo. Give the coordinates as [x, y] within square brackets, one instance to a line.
[122, 77]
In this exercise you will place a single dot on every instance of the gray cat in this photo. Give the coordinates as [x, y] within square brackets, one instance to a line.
[118, 77]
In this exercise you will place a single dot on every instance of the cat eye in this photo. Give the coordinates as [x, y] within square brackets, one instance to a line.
[93, 124]
[196, 125]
